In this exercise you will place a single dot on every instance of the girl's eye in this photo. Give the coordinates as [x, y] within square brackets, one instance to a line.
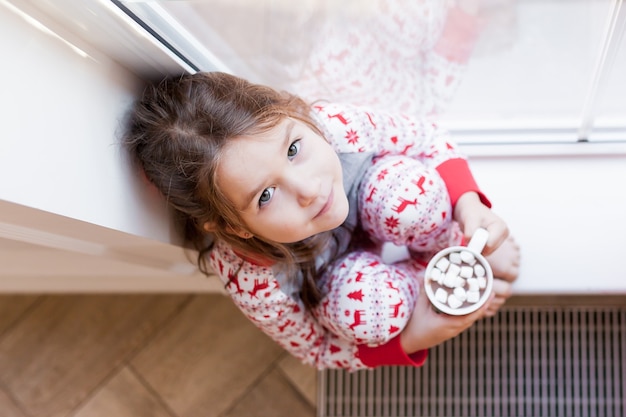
[266, 196]
[294, 148]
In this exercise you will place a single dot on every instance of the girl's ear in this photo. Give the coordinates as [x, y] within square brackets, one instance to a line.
[239, 232]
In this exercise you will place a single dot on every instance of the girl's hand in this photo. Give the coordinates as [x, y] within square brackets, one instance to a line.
[472, 214]
[502, 290]
[502, 251]
[427, 328]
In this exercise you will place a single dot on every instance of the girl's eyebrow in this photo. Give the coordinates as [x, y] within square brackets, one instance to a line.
[256, 190]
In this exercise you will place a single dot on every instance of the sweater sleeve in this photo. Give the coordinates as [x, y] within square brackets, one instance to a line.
[351, 128]
[257, 293]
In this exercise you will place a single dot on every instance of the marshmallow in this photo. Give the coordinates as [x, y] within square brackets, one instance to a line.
[454, 269]
[468, 257]
[473, 296]
[455, 258]
[449, 280]
[436, 275]
[459, 282]
[482, 282]
[454, 302]
[466, 271]
[479, 270]
[441, 295]
[460, 293]
[472, 284]
[442, 264]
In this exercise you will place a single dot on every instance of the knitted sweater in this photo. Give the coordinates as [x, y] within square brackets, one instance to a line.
[272, 302]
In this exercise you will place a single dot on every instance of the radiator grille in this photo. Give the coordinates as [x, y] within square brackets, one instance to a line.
[535, 362]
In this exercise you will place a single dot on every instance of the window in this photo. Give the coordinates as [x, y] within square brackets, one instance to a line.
[540, 72]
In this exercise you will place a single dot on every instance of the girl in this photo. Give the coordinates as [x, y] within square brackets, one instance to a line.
[289, 205]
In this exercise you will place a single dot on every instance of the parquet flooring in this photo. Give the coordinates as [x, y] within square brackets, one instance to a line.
[143, 355]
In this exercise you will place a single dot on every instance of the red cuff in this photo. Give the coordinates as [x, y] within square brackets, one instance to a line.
[390, 354]
[459, 180]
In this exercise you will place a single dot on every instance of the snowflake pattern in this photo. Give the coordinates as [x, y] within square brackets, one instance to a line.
[392, 222]
[352, 137]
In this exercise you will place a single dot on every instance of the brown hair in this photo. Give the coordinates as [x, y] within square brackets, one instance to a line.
[176, 133]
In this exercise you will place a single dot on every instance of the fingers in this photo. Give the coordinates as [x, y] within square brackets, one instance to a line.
[498, 232]
[494, 307]
[502, 290]
[505, 261]
[497, 228]
[427, 328]
[484, 310]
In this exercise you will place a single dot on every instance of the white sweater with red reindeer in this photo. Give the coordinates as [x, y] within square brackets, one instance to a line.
[273, 304]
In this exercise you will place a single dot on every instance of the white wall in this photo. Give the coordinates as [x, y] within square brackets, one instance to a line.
[72, 214]
[60, 114]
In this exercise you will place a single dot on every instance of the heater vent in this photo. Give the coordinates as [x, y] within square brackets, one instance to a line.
[555, 361]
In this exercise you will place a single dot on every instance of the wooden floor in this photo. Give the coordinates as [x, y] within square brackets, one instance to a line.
[143, 355]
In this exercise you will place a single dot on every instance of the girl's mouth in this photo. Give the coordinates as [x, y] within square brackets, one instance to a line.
[326, 206]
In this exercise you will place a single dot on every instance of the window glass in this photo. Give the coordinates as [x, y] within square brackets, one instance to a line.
[532, 68]
[489, 70]
[610, 113]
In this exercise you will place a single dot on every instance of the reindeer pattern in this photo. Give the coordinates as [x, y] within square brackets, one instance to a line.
[401, 199]
[407, 59]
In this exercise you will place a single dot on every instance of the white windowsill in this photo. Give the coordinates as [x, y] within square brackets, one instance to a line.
[543, 149]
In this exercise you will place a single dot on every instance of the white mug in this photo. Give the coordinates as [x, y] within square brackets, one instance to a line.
[449, 269]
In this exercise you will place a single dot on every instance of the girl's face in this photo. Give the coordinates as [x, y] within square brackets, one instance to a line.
[287, 183]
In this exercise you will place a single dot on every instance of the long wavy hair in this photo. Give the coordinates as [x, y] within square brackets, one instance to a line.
[176, 134]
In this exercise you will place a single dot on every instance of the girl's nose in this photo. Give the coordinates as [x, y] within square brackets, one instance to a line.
[307, 190]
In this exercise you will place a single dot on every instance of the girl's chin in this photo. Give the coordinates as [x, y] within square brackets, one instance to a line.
[339, 215]
[343, 210]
